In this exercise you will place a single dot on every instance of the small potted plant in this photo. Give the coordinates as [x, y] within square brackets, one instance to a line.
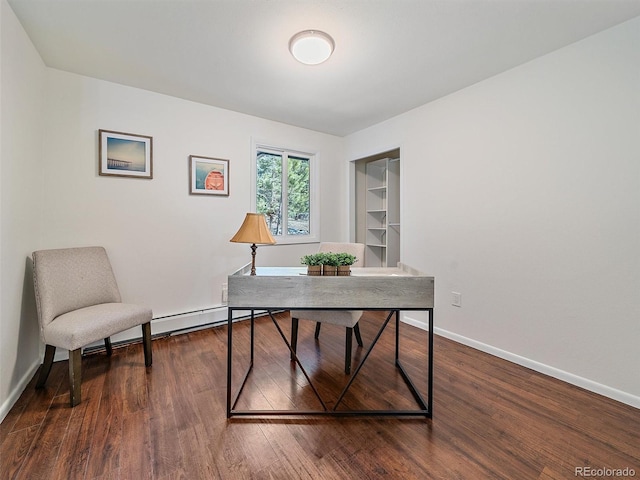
[313, 263]
[345, 260]
[329, 264]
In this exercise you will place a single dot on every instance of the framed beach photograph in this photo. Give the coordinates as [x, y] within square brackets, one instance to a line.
[209, 176]
[125, 154]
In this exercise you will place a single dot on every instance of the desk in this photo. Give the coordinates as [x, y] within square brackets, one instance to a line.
[285, 288]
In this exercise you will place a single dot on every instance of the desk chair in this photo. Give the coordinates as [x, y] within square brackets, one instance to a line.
[346, 318]
[79, 303]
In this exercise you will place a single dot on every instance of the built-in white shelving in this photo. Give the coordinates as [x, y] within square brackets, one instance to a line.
[382, 204]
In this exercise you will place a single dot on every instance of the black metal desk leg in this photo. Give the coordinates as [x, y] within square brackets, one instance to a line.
[253, 331]
[430, 387]
[229, 357]
[397, 335]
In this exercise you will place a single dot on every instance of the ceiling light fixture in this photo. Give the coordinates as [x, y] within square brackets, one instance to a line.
[311, 47]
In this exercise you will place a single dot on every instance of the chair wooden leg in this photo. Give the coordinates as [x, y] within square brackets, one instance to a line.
[107, 346]
[75, 376]
[347, 353]
[294, 336]
[146, 344]
[356, 330]
[317, 334]
[45, 369]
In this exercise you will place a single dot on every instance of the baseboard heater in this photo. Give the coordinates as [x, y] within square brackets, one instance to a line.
[177, 324]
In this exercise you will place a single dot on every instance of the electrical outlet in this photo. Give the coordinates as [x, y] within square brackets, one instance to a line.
[456, 299]
[224, 293]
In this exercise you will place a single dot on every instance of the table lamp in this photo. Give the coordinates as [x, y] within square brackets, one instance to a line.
[254, 230]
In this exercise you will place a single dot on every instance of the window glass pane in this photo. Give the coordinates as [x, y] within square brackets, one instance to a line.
[269, 189]
[298, 200]
[283, 193]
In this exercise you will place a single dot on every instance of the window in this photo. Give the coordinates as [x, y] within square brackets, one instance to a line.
[284, 192]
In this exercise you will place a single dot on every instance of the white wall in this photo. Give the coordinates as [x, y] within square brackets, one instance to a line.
[21, 104]
[522, 193]
[169, 249]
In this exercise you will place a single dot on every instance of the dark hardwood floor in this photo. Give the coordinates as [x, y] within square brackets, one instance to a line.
[492, 419]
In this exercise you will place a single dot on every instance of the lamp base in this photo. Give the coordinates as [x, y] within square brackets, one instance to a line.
[253, 259]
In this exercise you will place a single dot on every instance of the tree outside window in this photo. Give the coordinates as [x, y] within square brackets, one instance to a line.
[283, 191]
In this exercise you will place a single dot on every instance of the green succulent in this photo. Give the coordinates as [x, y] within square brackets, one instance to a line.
[312, 260]
[345, 258]
[328, 258]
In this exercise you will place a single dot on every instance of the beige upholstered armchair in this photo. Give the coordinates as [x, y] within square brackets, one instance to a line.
[346, 318]
[79, 303]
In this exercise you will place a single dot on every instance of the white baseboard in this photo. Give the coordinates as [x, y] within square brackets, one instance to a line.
[200, 318]
[17, 390]
[182, 322]
[576, 380]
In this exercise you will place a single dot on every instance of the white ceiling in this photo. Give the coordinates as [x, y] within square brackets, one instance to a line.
[391, 55]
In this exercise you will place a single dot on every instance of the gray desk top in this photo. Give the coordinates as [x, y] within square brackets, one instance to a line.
[401, 288]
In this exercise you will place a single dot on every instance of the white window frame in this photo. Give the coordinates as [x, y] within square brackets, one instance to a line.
[314, 191]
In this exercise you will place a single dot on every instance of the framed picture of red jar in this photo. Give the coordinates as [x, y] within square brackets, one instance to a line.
[209, 176]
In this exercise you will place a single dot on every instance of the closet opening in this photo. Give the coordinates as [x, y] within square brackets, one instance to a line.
[376, 207]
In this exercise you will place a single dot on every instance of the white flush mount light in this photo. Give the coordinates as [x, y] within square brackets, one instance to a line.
[311, 47]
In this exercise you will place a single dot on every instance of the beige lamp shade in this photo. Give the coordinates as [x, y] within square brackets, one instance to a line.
[254, 230]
